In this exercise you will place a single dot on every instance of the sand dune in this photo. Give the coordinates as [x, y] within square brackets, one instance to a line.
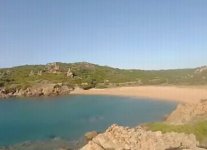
[186, 94]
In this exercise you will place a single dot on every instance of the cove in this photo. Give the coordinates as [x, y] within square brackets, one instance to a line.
[70, 117]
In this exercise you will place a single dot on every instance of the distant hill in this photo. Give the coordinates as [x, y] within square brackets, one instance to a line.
[87, 75]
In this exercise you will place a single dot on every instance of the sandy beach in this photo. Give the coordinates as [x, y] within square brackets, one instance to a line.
[186, 94]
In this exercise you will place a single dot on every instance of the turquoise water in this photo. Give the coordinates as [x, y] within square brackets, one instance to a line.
[70, 117]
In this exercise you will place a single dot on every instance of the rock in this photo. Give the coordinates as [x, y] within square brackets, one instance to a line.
[3, 95]
[48, 89]
[92, 146]
[28, 92]
[90, 135]
[69, 73]
[31, 73]
[19, 93]
[201, 69]
[37, 90]
[51, 90]
[65, 90]
[39, 73]
[185, 113]
[53, 68]
[123, 138]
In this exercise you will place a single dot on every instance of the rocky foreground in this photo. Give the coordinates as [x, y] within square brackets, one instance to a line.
[124, 138]
[139, 138]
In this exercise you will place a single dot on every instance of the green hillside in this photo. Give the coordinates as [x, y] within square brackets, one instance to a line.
[88, 75]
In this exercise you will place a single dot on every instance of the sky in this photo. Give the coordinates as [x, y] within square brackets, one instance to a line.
[142, 34]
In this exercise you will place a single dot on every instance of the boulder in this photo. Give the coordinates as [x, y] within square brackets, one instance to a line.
[64, 90]
[31, 73]
[39, 73]
[124, 138]
[185, 113]
[69, 73]
[48, 89]
[53, 68]
[90, 135]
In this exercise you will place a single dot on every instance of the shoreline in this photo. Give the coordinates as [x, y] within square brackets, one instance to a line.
[165, 93]
[182, 94]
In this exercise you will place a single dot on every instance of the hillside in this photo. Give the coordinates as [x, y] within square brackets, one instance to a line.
[87, 75]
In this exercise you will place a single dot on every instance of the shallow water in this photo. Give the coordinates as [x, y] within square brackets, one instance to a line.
[31, 119]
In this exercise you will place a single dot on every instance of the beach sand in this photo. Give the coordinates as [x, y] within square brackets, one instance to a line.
[185, 94]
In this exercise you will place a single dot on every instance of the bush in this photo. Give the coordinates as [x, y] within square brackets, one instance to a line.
[101, 86]
[10, 90]
[1, 84]
[87, 87]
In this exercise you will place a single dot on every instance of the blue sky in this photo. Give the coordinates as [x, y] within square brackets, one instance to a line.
[145, 34]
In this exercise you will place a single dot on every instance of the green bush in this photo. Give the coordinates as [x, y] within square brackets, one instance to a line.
[101, 86]
[1, 84]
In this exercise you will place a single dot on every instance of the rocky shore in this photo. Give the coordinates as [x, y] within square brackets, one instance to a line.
[139, 138]
[37, 91]
[124, 138]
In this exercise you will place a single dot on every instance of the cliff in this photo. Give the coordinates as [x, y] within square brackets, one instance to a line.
[37, 90]
[186, 113]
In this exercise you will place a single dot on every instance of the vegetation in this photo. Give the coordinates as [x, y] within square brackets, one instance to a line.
[198, 128]
[88, 75]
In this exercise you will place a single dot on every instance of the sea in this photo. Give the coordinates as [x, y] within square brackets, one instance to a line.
[70, 117]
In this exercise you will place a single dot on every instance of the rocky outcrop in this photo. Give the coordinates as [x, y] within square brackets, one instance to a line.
[69, 73]
[31, 73]
[185, 113]
[37, 90]
[50, 90]
[39, 73]
[90, 135]
[201, 69]
[3, 94]
[124, 138]
[53, 68]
